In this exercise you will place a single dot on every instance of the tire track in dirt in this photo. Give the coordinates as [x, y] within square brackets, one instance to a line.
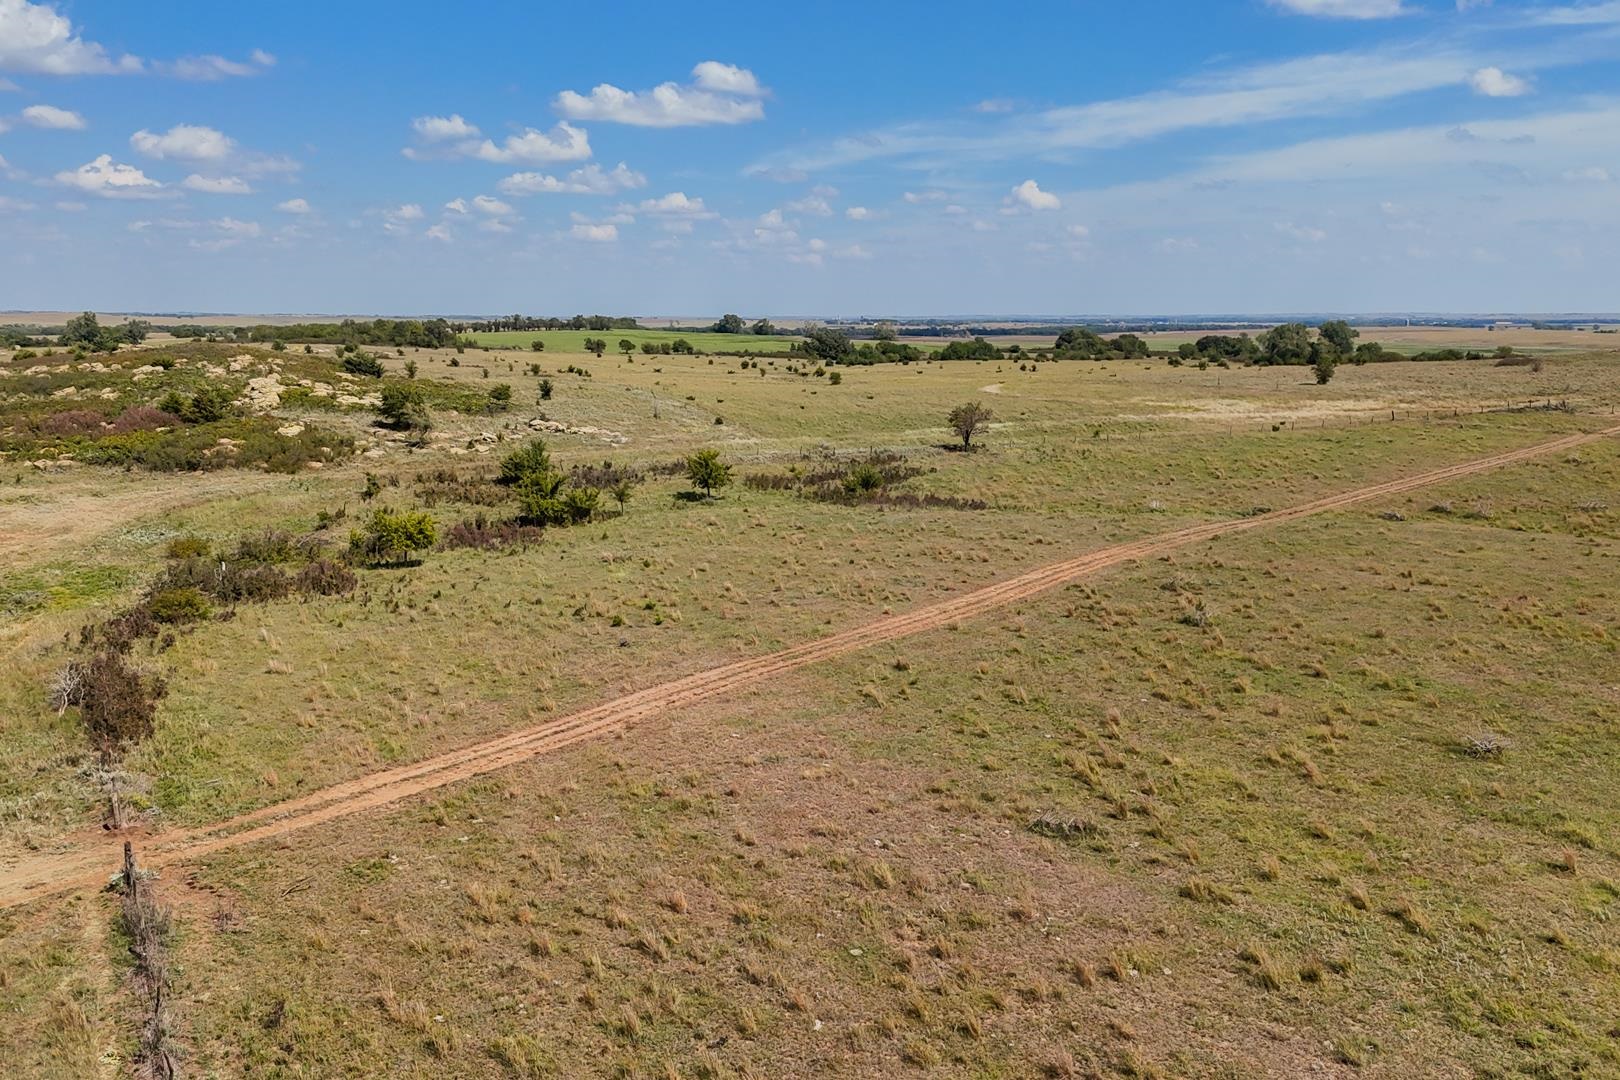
[89, 864]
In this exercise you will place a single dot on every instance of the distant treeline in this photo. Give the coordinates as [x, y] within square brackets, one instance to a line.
[536, 322]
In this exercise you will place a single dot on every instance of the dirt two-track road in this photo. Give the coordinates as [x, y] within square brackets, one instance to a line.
[87, 863]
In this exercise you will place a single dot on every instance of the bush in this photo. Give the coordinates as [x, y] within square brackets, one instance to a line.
[186, 547]
[485, 535]
[178, 605]
[363, 364]
[527, 460]
[863, 479]
[403, 406]
[394, 536]
[500, 397]
[324, 577]
[118, 706]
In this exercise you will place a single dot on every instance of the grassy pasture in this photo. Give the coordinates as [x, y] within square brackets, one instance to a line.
[1266, 849]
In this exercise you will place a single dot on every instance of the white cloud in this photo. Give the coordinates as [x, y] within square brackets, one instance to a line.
[110, 180]
[722, 94]
[1343, 9]
[994, 105]
[456, 206]
[1078, 232]
[853, 251]
[676, 202]
[598, 234]
[564, 143]
[217, 185]
[918, 197]
[398, 219]
[37, 40]
[212, 68]
[1494, 82]
[407, 212]
[1584, 14]
[440, 128]
[439, 232]
[592, 179]
[486, 204]
[184, 142]
[857, 213]
[727, 79]
[9, 205]
[771, 219]
[813, 204]
[294, 206]
[1591, 174]
[1030, 194]
[52, 118]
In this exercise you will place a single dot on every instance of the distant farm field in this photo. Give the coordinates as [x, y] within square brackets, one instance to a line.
[574, 340]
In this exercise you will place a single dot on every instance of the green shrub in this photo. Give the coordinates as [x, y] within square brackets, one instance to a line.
[363, 364]
[707, 472]
[178, 605]
[527, 460]
[394, 535]
[404, 406]
[186, 547]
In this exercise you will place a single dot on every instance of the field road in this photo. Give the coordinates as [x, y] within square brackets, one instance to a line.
[88, 862]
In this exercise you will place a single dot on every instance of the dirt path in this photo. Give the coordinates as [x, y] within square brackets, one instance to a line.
[88, 863]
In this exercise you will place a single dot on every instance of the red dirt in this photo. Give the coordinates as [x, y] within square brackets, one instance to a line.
[89, 862]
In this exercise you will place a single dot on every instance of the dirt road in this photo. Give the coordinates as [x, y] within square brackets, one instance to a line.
[89, 863]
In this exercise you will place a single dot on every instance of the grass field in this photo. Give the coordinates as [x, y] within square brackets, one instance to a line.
[573, 341]
[1217, 813]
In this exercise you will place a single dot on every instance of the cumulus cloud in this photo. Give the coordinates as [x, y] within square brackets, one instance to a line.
[34, 38]
[456, 206]
[720, 94]
[452, 136]
[110, 180]
[440, 232]
[592, 179]
[918, 197]
[440, 128]
[564, 143]
[398, 219]
[1029, 193]
[676, 202]
[1343, 9]
[486, 204]
[217, 185]
[598, 234]
[1305, 234]
[726, 79]
[184, 142]
[858, 213]
[52, 118]
[1494, 82]
[295, 206]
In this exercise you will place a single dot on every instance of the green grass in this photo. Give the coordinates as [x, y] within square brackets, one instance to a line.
[1278, 829]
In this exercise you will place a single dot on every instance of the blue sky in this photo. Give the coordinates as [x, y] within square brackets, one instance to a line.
[1158, 156]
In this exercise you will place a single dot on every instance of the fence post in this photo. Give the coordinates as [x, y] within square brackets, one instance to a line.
[132, 879]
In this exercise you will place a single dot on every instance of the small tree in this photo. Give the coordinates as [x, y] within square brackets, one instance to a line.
[402, 406]
[707, 472]
[410, 369]
[968, 420]
[1324, 367]
[621, 490]
[528, 460]
[595, 345]
[627, 347]
[395, 535]
[537, 345]
[545, 389]
[500, 397]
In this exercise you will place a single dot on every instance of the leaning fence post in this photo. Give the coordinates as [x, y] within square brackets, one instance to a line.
[131, 875]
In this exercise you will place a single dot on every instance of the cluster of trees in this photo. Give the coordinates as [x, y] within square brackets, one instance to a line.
[734, 324]
[533, 322]
[977, 349]
[395, 333]
[1083, 344]
[86, 332]
[546, 495]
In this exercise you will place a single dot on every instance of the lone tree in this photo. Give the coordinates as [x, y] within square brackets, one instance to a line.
[730, 324]
[967, 420]
[595, 345]
[1324, 366]
[394, 536]
[402, 405]
[707, 471]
